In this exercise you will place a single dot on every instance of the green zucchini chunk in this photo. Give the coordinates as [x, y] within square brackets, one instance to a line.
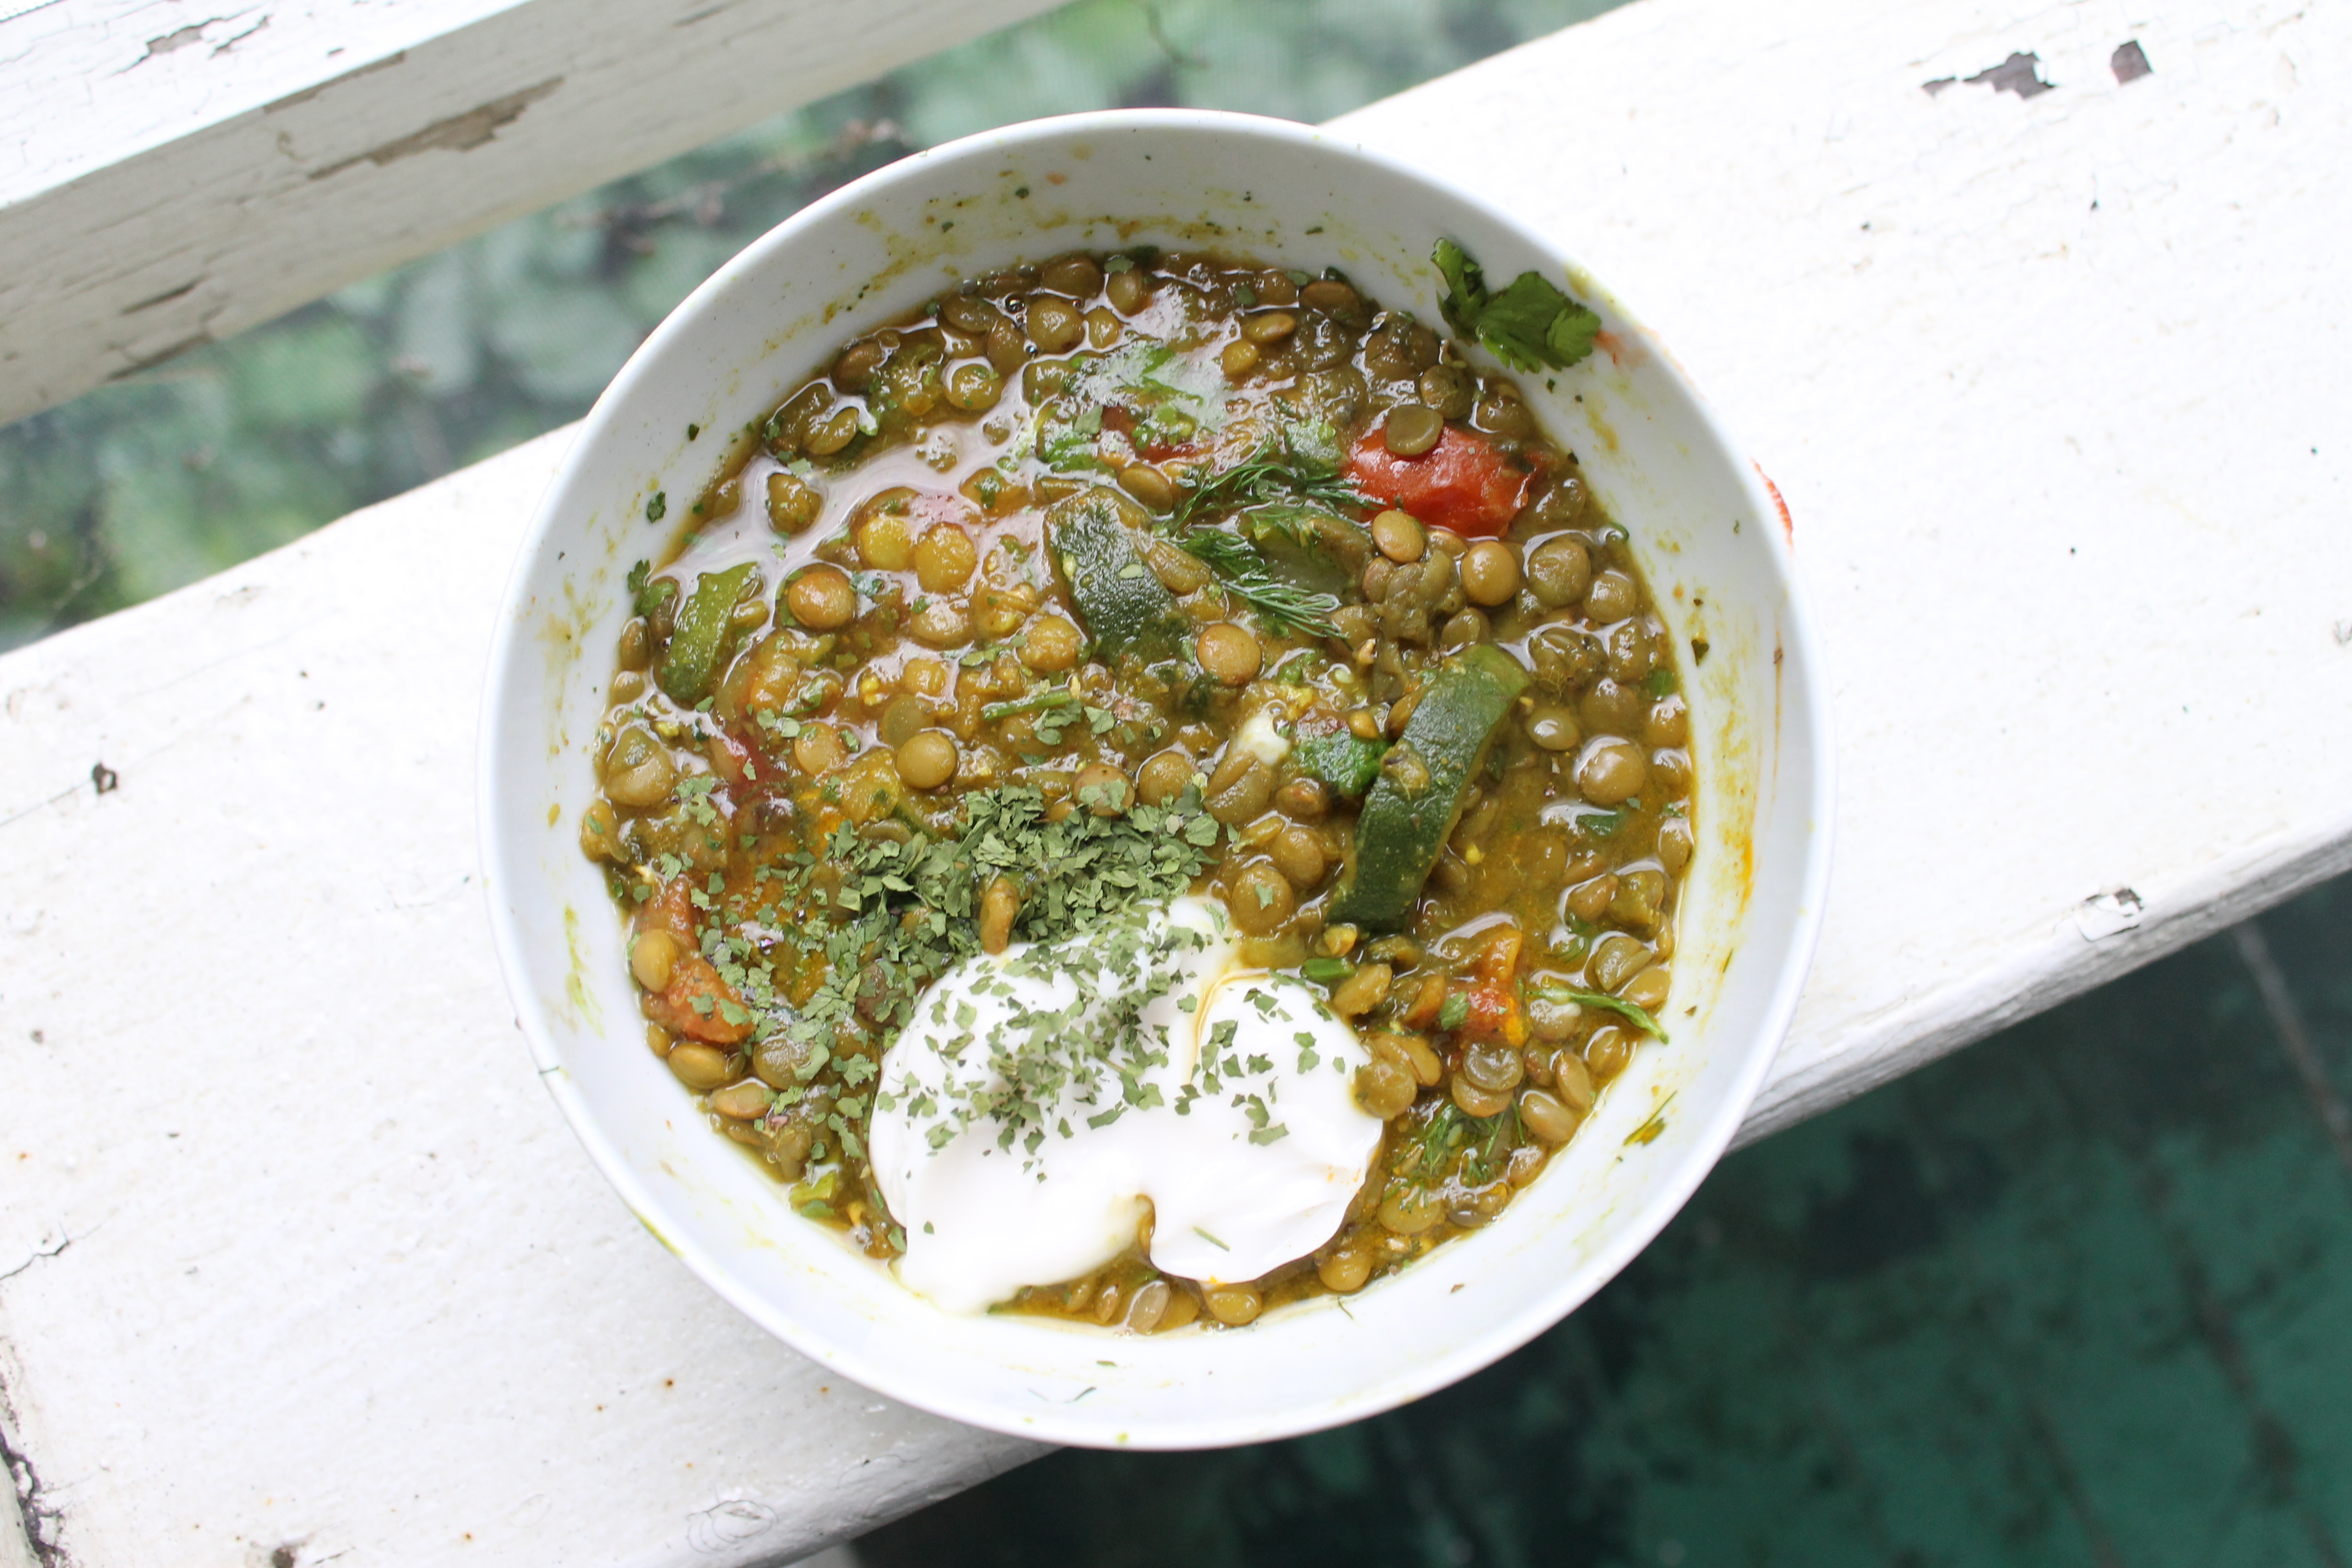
[692, 657]
[1411, 809]
[1095, 538]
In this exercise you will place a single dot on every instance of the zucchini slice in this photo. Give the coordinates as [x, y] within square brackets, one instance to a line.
[1094, 537]
[1412, 807]
[692, 657]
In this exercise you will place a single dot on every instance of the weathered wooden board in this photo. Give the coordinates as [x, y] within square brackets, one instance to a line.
[295, 1254]
[171, 174]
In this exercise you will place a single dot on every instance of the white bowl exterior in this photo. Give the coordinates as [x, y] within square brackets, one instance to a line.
[1710, 537]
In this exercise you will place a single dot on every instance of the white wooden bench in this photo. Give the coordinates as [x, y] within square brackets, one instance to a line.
[296, 1262]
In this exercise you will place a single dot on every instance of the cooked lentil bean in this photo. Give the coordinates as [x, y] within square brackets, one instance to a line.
[1612, 596]
[1261, 899]
[928, 759]
[1148, 485]
[1560, 572]
[1362, 991]
[1163, 777]
[822, 598]
[1400, 537]
[653, 958]
[1490, 573]
[1552, 727]
[1547, 1116]
[1298, 855]
[1231, 653]
[700, 1068]
[1055, 325]
[1413, 429]
[1610, 772]
[1344, 1271]
[1102, 789]
[1607, 1053]
[1051, 645]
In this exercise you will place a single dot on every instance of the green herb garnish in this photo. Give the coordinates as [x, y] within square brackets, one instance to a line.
[646, 594]
[1286, 609]
[1454, 1011]
[1528, 326]
[1037, 702]
[1279, 471]
[1344, 762]
[1631, 1012]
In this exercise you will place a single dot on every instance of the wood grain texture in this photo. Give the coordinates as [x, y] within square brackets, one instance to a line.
[294, 1252]
[171, 174]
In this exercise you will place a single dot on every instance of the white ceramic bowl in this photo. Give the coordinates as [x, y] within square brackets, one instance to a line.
[1710, 538]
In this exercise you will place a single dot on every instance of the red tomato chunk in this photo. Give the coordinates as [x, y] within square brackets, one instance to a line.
[1461, 483]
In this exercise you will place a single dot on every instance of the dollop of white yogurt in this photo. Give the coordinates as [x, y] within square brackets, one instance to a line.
[1038, 1100]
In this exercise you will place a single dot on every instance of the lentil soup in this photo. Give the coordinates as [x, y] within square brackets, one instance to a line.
[1123, 579]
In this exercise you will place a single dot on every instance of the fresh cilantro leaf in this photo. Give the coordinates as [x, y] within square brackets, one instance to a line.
[1466, 287]
[1532, 324]
[1528, 326]
[647, 595]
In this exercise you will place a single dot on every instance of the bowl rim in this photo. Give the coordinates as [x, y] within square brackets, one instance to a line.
[1670, 1194]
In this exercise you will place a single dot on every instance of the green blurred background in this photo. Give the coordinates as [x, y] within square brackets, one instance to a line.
[2081, 1295]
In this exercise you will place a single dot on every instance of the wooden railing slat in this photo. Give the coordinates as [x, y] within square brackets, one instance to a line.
[170, 175]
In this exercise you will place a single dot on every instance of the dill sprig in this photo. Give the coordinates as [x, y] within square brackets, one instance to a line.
[1287, 609]
[1277, 471]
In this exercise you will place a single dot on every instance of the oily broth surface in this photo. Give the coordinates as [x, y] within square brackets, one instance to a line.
[1540, 890]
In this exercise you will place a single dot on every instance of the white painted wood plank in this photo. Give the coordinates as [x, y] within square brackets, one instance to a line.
[171, 174]
[2052, 481]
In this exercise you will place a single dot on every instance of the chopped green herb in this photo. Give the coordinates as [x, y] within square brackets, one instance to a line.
[1278, 471]
[1530, 325]
[1634, 1014]
[1212, 1240]
[1454, 1011]
[659, 506]
[646, 594]
[1345, 762]
[1286, 609]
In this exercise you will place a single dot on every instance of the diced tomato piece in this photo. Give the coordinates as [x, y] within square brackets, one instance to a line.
[1462, 483]
[670, 909]
[700, 1004]
[1495, 1010]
